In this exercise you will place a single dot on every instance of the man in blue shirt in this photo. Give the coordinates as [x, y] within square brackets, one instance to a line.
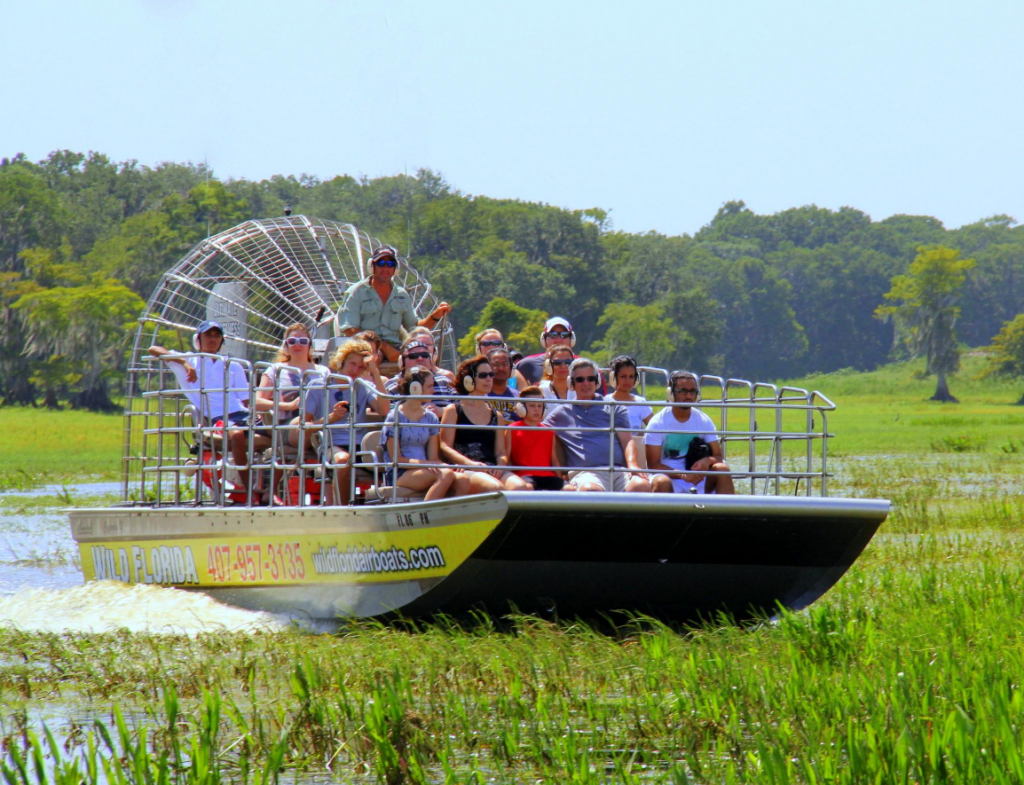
[588, 454]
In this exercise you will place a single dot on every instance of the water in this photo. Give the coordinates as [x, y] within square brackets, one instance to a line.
[41, 587]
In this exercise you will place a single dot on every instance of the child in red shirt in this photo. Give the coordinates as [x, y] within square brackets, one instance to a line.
[531, 443]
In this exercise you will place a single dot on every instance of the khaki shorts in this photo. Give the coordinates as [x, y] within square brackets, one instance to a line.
[599, 478]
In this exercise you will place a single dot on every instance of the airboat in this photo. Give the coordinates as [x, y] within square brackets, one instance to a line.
[182, 523]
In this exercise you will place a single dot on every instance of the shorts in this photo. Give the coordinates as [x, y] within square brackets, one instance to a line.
[600, 478]
[240, 418]
[544, 482]
[680, 485]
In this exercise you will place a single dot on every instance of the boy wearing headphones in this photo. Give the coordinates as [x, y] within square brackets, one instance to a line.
[203, 377]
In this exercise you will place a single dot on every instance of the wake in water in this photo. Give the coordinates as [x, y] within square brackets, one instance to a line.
[103, 606]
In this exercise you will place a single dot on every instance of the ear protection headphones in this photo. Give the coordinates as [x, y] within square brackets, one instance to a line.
[520, 409]
[415, 386]
[548, 368]
[469, 383]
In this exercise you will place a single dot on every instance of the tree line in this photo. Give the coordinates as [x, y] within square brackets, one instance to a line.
[84, 241]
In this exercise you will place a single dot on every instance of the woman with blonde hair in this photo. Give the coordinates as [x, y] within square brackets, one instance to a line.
[278, 396]
[334, 405]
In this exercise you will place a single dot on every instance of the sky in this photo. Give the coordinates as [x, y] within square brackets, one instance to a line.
[659, 112]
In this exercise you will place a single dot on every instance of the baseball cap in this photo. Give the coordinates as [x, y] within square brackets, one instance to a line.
[554, 321]
[209, 324]
[384, 252]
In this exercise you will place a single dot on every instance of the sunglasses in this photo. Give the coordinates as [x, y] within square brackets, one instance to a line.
[418, 356]
[581, 379]
[485, 375]
[491, 343]
[560, 334]
[685, 391]
[297, 341]
[385, 263]
[561, 362]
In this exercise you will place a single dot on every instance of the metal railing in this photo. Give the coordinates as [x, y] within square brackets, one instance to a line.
[186, 445]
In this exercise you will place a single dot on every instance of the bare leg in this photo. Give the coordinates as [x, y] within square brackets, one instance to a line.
[661, 483]
[342, 475]
[720, 484]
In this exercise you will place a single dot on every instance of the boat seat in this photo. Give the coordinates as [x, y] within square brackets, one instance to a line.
[372, 452]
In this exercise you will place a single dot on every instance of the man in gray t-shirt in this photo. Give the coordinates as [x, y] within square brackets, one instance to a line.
[588, 452]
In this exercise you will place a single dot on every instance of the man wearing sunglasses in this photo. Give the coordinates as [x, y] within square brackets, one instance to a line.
[417, 353]
[589, 453]
[557, 332]
[672, 452]
[379, 304]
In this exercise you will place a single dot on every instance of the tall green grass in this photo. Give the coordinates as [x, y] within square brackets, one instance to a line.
[908, 671]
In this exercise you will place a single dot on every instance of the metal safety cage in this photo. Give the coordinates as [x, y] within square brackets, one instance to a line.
[256, 279]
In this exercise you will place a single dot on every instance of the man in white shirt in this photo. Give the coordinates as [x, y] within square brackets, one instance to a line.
[667, 453]
[202, 378]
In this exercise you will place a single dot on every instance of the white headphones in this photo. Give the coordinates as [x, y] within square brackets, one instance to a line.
[520, 409]
[469, 383]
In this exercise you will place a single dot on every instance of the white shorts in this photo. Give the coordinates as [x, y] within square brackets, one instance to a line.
[599, 478]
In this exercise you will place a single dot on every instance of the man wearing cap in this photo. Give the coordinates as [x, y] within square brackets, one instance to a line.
[379, 304]
[557, 332]
[203, 377]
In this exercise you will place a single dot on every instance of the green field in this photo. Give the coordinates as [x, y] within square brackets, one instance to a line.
[908, 671]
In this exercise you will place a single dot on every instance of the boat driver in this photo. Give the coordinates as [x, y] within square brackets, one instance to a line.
[378, 303]
[678, 454]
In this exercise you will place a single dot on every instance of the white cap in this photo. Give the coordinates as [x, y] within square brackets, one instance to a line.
[555, 321]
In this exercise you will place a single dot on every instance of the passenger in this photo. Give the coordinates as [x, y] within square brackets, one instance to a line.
[292, 369]
[203, 377]
[416, 353]
[486, 342]
[334, 406]
[416, 444]
[555, 384]
[374, 340]
[532, 444]
[503, 389]
[557, 332]
[423, 334]
[587, 452]
[477, 453]
[623, 377]
[675, 456]
[378, 303]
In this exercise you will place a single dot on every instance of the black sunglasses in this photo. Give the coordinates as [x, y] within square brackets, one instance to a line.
[685, 391]
[485, 375]
[492, 343]
[561, 362]
[560, 334]
[418, 356]
[581, 379]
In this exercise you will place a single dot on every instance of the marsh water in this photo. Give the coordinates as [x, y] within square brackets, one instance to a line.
[41, 587]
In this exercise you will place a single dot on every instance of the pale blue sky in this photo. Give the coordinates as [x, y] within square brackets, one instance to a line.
[659, 112]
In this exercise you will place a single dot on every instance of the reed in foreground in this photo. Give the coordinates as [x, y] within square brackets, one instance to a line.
[906, 672]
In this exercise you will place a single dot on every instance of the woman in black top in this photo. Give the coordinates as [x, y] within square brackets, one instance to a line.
[476, 453]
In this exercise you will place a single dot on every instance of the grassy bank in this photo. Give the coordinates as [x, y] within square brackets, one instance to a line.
[905, 672]
[38, 446]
